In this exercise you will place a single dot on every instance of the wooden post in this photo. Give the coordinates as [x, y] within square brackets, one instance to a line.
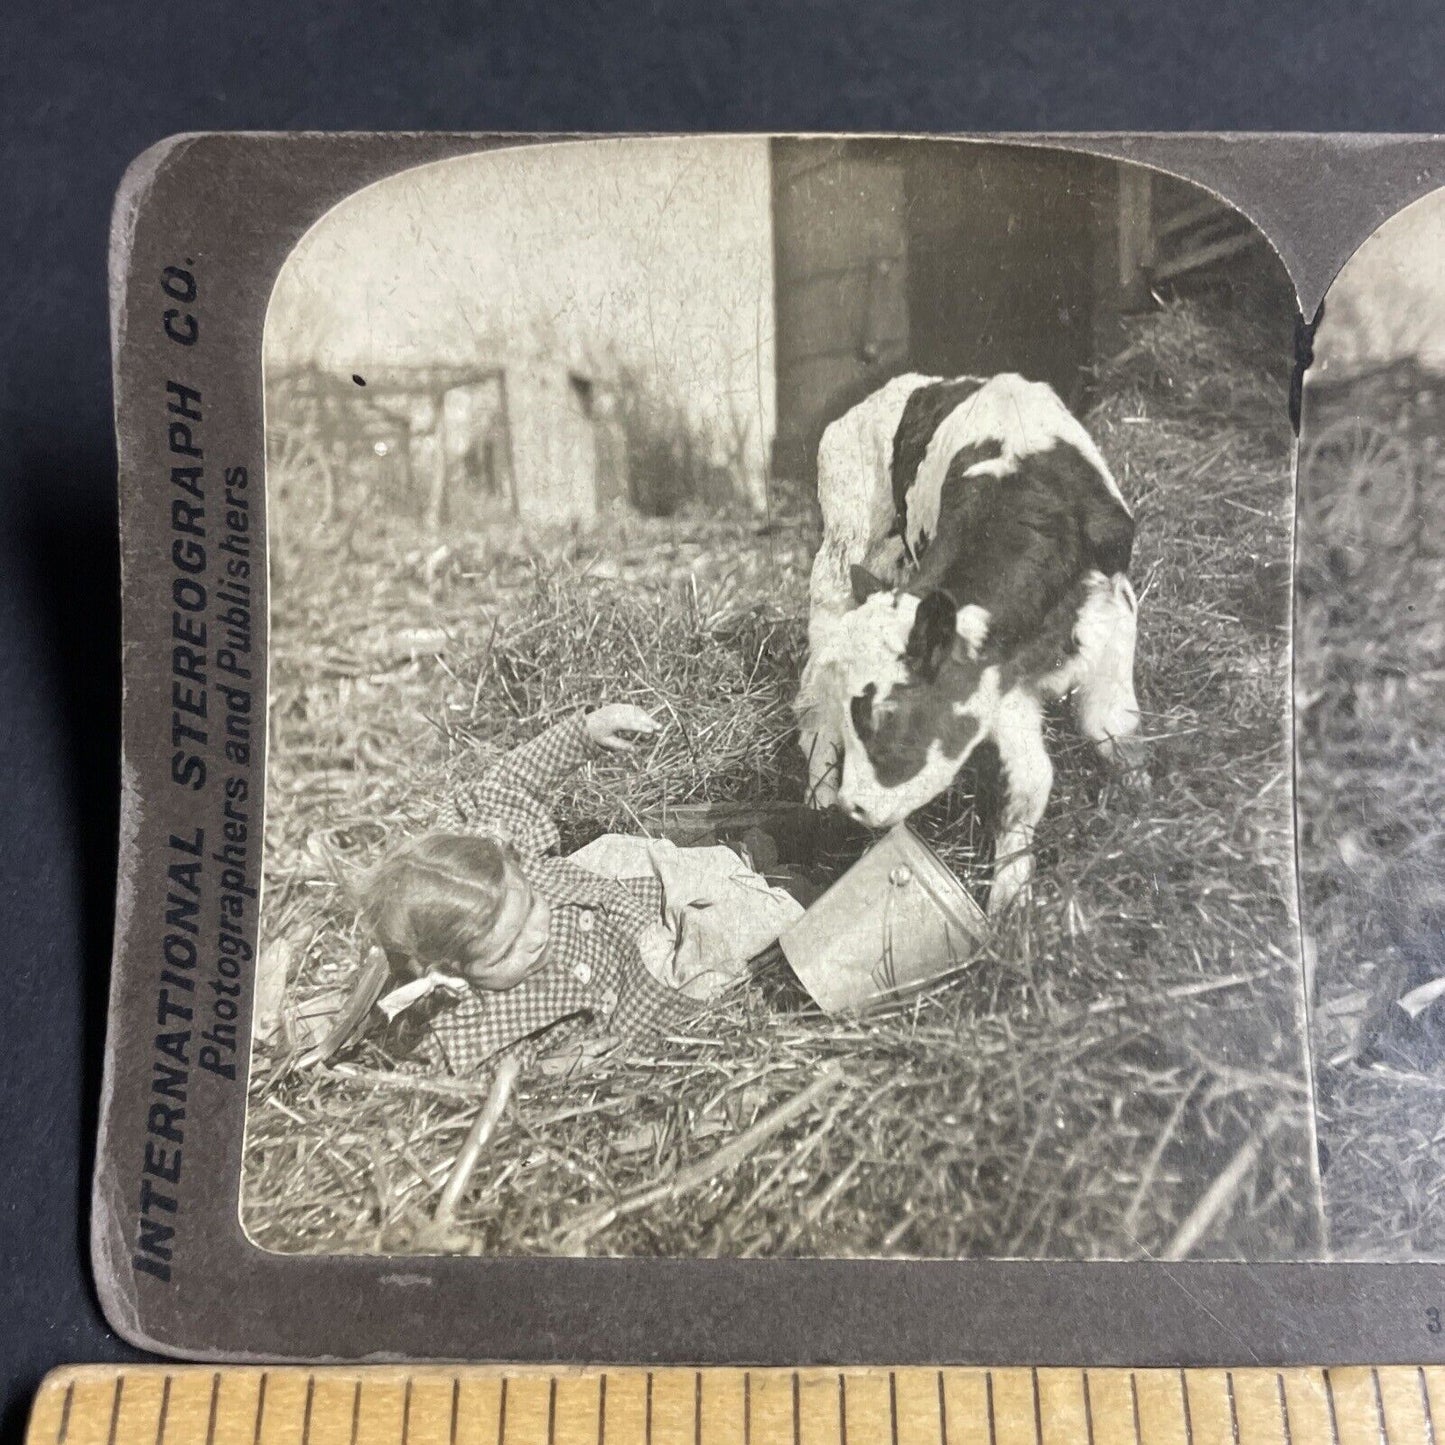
[329, 428]
[1136, 232]
[436, 504]
[504, 404]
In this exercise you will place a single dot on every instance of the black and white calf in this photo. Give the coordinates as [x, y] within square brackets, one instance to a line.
[973, 567]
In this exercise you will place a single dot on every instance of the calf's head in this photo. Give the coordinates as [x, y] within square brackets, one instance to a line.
[911, 695]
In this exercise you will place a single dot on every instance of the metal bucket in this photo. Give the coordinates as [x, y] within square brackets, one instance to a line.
[895, 919]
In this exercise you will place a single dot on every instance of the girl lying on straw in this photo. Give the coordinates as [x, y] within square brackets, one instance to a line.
[491, 939]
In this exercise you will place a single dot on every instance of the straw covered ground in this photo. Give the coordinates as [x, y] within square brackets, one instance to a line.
[1121, 1074]
[1370, 668]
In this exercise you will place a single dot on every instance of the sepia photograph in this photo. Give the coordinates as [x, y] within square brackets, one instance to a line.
[1370, 662]
[780, 732]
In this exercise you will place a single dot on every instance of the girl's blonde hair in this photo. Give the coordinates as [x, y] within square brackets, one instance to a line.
[434, 902]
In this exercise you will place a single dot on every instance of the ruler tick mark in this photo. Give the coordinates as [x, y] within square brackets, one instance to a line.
[215, 1400]
[306, 1414]
[1188, 1411]
[165, 1410]
[748, 1409]
[647, 1435]
[1038, 1409]
[1233, 1411]
[502, 1414]
[797, 1409]
[988, 1395]
[65, 1405]
[260, 1407]
[406, 1412]
[1379, 1406]
[115, 1408]
[1330, 1401]
[1134, 1401]
[1283, 1410]
[942, 1412]
[356, 1414]
[893, 1405]
[602, 1409]
[1425, 1406]
[1088, 1409]
[552, 1411]
[697, 1408]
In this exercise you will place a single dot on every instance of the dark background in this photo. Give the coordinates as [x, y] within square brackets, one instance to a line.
[85, 87]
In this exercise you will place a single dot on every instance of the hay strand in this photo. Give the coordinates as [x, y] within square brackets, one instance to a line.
[575, 1235]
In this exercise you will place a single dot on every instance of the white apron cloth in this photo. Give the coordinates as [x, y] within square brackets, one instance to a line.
[718, 913]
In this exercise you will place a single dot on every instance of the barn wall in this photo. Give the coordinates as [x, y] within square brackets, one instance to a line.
[840, 268]
[1001, 260]
[933, 256]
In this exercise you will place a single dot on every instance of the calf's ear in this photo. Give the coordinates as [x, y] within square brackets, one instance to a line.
[865, 584]
[933, 634]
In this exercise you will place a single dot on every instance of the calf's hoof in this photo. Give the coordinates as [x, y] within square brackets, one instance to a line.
[1128, 762]
[1010, 890]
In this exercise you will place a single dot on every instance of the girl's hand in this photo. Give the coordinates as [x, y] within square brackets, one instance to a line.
[608, 725]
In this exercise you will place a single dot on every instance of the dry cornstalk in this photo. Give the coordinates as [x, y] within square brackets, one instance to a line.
[408, 1083]
[1156, 1154]
[477, 1137]
[575, 1235]
[1218, 1197]
[819, 1206]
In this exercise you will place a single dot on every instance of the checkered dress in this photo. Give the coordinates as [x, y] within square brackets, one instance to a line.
[592, 970]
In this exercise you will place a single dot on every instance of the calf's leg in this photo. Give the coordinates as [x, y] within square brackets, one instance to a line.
[818, 736]
[847, 543]
[1026, 777]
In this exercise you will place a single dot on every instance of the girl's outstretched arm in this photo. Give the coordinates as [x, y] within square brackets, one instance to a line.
[513, 798]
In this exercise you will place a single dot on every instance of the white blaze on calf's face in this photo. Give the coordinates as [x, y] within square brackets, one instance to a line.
[871, 642]
[931, 724]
